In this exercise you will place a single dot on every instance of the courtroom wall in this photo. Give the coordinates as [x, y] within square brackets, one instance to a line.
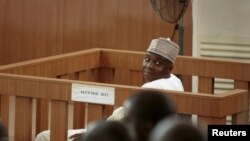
[221, 30]
[33, 29]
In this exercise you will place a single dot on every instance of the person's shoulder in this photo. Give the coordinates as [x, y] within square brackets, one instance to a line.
[118, 114]
[173, 76]
[154, 84]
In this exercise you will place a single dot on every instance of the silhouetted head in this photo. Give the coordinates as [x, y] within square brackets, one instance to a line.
[107, 131]
[144, 110]
[3, 132]
[169, 130]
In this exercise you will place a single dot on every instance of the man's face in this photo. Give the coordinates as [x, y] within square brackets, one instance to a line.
[155, 67]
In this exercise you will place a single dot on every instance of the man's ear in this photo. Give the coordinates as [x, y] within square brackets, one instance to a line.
[171, 67]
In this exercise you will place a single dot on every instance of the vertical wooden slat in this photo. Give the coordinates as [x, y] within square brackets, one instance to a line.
[23, 119]
[188, 44]
[79, 108]
[136, 78]
[42, 115]
[71, 76]
[240, 118]
[122, 76]
[79, 115]
[70, 115]
[206, 85]
[89, 75]
[107, 111]
[4, 109]
[94, 112]
[59, 120]
[243, 117]
[76, 106]
[204, 121]
[107, 75]
[187, 83]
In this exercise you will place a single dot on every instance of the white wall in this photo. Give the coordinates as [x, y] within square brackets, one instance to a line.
[221, 28]
[223, 22]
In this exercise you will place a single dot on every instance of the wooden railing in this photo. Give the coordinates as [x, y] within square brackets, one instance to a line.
[45, 80]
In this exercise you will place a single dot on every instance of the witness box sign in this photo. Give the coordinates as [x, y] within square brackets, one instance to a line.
[93, 94]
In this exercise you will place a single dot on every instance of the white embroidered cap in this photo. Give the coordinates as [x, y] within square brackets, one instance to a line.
[165, 48]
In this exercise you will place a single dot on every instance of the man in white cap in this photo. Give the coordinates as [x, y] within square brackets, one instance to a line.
[158, 64]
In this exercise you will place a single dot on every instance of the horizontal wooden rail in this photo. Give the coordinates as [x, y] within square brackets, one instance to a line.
[59, 91]
[185, 65]
[200, 104]
[45, 80]
[56, 65]
[131, 60]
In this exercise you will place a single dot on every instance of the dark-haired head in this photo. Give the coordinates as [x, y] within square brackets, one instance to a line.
[144, 110]
[107, 131]
[169, 130]
[3, 132]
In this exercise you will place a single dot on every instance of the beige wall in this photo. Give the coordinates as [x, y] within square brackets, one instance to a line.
[221, 29]
[222, 24]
